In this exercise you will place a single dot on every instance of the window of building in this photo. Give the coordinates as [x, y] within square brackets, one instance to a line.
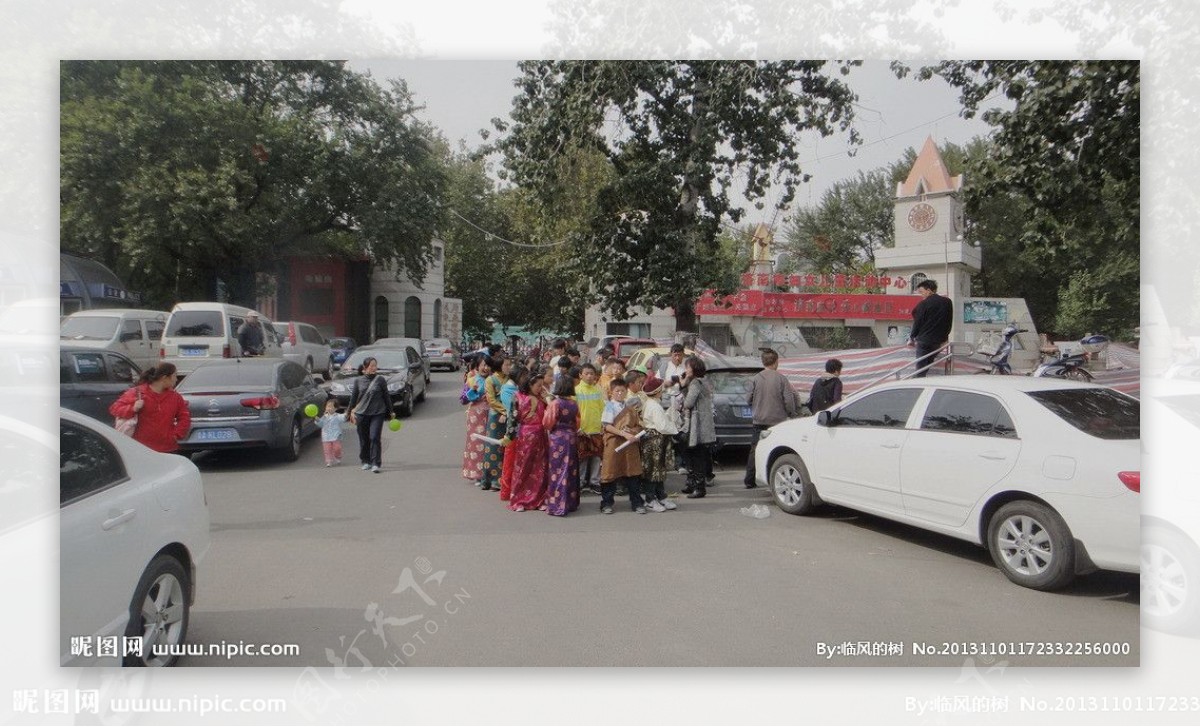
[412, 317]
[916, 280]
[381, 317]
[637, 330]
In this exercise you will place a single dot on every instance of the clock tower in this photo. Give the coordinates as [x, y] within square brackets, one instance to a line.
[929, 233]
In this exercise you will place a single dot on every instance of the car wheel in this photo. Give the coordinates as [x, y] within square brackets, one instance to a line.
[1032, 545]
[327, 374]
[159, 611]
[423, 390]
[290, 452]
[791, 486]
[1078, 375]
[406, 404]
[1170, 576]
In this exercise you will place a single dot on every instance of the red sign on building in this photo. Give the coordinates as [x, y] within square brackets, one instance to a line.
[759, 304]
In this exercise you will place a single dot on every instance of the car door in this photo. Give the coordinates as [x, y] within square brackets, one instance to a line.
[132, 339]
[857, 459]
[416, 369]
[104, 519]
[154, 334]
[86, 385]
[965, 445]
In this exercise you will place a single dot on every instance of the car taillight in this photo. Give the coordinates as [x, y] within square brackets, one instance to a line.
[292, 334]
[448, 350]
[261, 402]
[1132, 480]
[225, 352]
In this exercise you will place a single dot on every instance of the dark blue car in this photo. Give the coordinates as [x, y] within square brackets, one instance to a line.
[340, 349]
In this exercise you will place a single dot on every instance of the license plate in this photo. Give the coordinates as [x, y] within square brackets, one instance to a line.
[192, 351]
[746, 412]
[216, 435]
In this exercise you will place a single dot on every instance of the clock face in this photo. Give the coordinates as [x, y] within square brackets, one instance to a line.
[922, 217]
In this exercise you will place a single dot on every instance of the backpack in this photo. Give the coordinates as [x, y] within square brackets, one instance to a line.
[821, 396]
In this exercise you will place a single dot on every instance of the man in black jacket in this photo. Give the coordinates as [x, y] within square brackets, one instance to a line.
[932, 319]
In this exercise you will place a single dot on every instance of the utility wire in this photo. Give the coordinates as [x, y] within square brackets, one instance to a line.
[493, 236]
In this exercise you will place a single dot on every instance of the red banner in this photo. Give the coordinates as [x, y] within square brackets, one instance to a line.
[759, 304]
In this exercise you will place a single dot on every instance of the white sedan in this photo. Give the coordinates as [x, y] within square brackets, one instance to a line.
[1045, 473]
[133, 529]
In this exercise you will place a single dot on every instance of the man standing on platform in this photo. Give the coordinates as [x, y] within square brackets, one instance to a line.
[932, 320]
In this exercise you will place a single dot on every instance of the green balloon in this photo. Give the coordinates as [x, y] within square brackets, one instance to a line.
[311, 410]
[395, 425]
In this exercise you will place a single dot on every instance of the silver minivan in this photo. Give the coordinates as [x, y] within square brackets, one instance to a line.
[134, 333]
[202, 331]
[305, 345]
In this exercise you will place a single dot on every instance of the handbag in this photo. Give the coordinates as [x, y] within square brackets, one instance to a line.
[128, 426]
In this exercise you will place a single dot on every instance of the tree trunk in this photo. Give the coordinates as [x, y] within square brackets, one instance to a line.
[685, 317]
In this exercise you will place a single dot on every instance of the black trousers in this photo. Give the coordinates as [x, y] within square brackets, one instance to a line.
[370, 432]
[924, 357]
[699, 464]
[748, 480]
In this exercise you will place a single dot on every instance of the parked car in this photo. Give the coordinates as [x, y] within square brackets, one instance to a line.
[730, 379]
[623, 348]
[90, 380]
[304, 344]
[251, 402]
[339, 348]
[417, 345]
[644, 358]
[1170, 567]
[443, 352]
[134, 529]
[402, 368]
[1044, 473]
[199, 331]
[135, 334]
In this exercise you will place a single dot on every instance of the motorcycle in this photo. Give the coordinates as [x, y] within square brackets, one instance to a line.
[999, 360]
[1073, 366]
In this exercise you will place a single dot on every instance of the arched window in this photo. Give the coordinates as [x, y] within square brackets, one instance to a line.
[381, 317]
[412, 317]
[916, 280]
[437, 318]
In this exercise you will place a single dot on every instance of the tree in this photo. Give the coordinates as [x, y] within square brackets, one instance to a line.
[842, 232]
[675, 136]
[1070, 146]
[179, 174]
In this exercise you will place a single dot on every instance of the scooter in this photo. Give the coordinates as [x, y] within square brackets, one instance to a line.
[999, 360]
[1073, 366]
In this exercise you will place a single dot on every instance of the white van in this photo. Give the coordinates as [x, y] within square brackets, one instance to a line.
[198, 332]
[134, 333]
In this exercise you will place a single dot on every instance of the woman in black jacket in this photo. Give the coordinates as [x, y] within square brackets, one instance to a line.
[370, 405]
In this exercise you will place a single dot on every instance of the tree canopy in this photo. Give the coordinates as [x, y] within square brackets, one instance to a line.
[180, 173]
[678, 138]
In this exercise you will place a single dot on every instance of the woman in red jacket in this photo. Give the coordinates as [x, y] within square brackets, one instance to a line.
[163, 417]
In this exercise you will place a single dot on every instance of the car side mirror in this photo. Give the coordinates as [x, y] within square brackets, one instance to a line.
[826, 419]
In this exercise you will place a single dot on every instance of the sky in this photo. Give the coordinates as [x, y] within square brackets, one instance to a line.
[463, 96]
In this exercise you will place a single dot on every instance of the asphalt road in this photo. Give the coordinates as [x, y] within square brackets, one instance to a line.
[416, 567]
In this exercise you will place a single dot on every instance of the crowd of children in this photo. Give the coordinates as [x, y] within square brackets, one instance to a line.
[539, 431]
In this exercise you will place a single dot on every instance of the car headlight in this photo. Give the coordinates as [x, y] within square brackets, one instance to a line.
[338, 388]
[394, 387]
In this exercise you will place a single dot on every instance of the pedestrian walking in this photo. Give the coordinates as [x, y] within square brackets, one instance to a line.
[477, 412]
[772, 400]
[370, 406]
[530, 464]
[562, 493]
[622, 465]
[331, 424]
[497, 421]
[933, 318]
[162, 414]
[826, 390]
[701, 427]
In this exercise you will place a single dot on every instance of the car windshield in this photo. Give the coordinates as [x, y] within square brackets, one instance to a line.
[1102, 413]
[339, 343]
[93, 328]
[200, 323]
[736, 383]
[387, 358]
[228, 374]
[629, 348]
